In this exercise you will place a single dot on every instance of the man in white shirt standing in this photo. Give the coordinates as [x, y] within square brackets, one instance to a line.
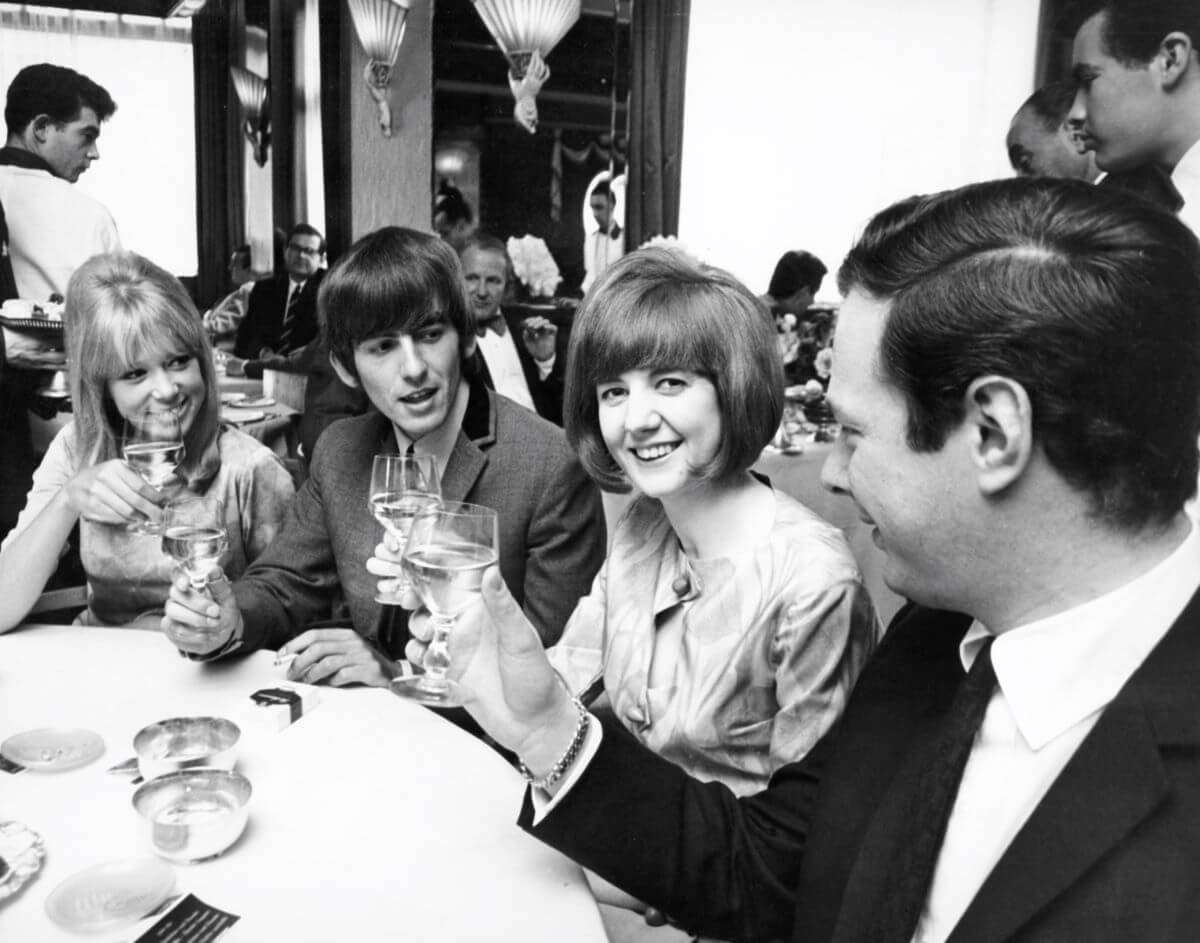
[607, 244]
[1137, 72]
[53, 115]
[528, 369]
[1017, 379]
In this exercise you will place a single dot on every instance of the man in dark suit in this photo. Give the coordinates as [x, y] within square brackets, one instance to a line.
[397, 325]
[521, 358]
[281, 314]
[1018, 383]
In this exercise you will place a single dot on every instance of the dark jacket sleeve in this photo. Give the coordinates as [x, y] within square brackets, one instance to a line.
[717, 865]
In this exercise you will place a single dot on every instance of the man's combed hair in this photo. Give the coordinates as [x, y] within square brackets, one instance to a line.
[1051, 104]
[1087, 298]
[795, 270]
[393, 279]
[1134, 29]
[655, 309]
[56, 91]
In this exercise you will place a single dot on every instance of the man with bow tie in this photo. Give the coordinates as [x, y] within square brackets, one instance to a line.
[607, 244]
[523, 360]
[1137, 104]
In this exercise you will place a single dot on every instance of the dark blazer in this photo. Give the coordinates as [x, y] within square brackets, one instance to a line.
[263, 323]
[551, 523]
[547, 394]
[1112, 852]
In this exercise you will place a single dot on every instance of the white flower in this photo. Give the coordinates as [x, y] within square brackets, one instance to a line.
[534, 265]
[823, 363]
[671, 244]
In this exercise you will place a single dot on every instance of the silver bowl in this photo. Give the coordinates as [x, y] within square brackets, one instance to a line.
[194, 814]
[181, 743]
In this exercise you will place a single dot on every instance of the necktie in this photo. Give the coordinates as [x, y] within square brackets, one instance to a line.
[289, 318]
[497, 325]
[924, 827]
[391, 629]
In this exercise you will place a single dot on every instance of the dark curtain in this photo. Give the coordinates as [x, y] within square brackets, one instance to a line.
[218, 35]
[659, 37]
[335, 143]
[281, 40]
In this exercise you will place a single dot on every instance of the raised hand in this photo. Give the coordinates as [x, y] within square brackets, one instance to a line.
[113, 493]
[202, 621]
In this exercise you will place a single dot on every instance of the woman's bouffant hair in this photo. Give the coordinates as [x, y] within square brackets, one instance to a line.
[121, 309]
[657, 309]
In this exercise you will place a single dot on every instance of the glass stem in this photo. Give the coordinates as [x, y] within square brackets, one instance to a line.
[437, 656]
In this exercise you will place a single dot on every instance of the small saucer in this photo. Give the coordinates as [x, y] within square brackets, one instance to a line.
[240, 416]
[110, 895]
[53, 749]
[254, 403]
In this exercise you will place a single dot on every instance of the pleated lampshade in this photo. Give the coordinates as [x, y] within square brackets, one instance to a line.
[251, 90]
[522, 27]
[380, 27]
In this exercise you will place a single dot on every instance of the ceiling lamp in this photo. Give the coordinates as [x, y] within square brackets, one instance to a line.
[380, 26]
[256, 110]
[526, 31]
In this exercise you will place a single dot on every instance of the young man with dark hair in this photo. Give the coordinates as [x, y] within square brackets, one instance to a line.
[607, 244]
[452, 216]
[1137, 69]
[795, 282]
[53, 115]
[1018, 383]
[397, 324]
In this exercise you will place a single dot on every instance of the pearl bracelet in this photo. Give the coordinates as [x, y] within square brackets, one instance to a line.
[564, 762]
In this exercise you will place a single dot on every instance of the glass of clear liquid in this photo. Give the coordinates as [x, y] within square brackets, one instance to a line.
[194, 536]
[152, 445]
[448, 550]
[402, 486]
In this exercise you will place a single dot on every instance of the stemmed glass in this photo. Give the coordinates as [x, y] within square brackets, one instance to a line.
[448, 550]
[401, 487]
[194, 536]
[152, 445]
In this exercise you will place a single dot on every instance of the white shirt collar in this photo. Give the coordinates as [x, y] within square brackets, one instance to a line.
[1187, 172]
[1056, 671]
[440, 443]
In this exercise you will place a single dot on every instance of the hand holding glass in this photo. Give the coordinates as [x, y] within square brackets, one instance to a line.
[401, 487]
[194, 536]
[152, 446]
[448, 550]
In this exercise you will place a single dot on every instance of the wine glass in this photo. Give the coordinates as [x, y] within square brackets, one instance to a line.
[152, 446]
[194, 536]
[401, 487]
[448, 549]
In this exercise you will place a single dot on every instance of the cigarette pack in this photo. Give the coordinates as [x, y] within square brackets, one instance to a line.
[283, 704]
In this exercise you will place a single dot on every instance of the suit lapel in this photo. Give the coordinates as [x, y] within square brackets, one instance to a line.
[469, 457]
[1114, 781]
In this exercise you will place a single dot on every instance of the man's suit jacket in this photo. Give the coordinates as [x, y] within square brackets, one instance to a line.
[1112, 853]
[263, 324]
[547, 394]
[550, 520]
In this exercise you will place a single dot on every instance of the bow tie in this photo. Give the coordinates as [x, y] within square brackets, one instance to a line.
[496, 324]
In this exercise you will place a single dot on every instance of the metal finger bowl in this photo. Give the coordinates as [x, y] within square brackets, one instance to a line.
[195, 814]
[181, 743]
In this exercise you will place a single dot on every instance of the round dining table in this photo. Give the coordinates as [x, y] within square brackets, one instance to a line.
[371, 817]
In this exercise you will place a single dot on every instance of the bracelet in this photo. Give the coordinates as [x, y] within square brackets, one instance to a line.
[564, 762]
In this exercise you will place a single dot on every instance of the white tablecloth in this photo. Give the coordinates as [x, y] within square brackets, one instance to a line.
[371, 819]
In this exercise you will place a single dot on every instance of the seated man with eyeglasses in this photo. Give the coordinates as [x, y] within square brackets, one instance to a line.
[281, 315]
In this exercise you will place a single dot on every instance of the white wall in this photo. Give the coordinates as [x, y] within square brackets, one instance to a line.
[804, 117]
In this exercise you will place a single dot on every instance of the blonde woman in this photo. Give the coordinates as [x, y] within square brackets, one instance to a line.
[137, 349]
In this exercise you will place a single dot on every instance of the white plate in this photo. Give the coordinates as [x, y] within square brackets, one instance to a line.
[242, 415]
[110, 895]
[256, 402]
[53, 749]
[232, 399]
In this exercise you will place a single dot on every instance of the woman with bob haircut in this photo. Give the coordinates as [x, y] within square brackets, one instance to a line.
[728, 622]
[137, 346]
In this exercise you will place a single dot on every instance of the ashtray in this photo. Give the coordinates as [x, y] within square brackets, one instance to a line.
[110, 895]
[21, 854]
[180, 743]
[196, 814]
[53, 749]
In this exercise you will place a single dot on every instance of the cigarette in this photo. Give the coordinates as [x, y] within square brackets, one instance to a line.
[282, 660]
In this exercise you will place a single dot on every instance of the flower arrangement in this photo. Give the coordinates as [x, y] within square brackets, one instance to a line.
[534, 266]
[671, 244]
[805, 345]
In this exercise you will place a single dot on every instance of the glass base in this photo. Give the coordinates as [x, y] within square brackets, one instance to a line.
[428, 691]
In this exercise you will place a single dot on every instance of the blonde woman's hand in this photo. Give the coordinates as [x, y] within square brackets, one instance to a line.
[113, 493]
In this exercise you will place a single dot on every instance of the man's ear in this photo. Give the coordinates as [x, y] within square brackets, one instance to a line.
[1001, 418]
[344, 375]
[1174, 58]
[41, 127]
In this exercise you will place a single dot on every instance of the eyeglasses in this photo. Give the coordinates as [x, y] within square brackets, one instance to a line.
[303, 250]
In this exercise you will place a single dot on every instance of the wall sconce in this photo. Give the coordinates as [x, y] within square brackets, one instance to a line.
[256, 110]
[185, 8]
[526, 31]
[380, 26]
